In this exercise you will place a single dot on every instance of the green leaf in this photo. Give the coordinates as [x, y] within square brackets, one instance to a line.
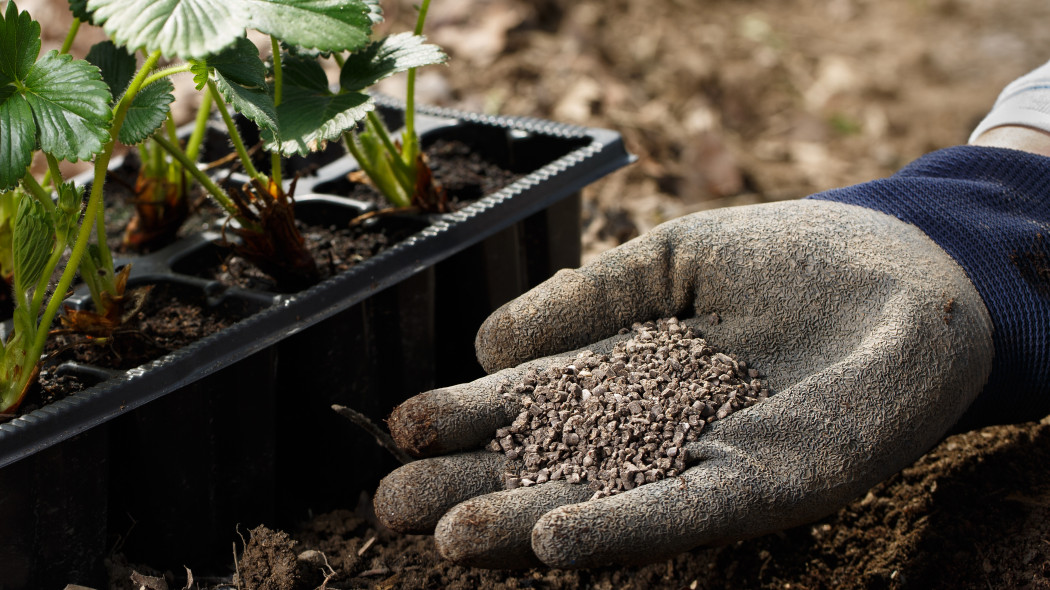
[57, 104]
[375, 11]
[240, 77]
[304, 73]
[148, 110]
[8, 209]
[327, 25]
[33, 240]
[394, 54]
[19, 44]
[256, 105]
[201, 72]
[240, 64]
[183, 28]
[80, 10]
[310, 113]
[17, 140]
[116, 64]
[71, 105]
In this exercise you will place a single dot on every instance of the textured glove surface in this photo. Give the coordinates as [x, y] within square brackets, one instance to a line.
[872, 338]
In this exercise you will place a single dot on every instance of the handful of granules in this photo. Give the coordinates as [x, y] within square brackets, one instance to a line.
[620, 420]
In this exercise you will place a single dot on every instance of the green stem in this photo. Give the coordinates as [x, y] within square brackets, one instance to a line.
[56, 172]
[41, 287]
[39, 192]
[172, 173]
[169, 125]
[100, 236]
[410, 149]
[376, 127]
[70, 35]
[209, 185]
[383, 182]
[93, 206]
[235, 135]
[193, 145]
[422, 17]
[166, 72]
[339, 59]
[89, 273]
[278, 87]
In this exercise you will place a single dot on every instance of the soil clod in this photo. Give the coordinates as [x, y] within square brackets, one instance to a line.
[268, 562]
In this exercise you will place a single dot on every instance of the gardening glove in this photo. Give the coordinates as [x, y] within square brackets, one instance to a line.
[881, 315]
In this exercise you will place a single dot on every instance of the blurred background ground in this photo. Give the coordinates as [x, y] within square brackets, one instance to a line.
[730, 102]
[725, 102]
[735, 102]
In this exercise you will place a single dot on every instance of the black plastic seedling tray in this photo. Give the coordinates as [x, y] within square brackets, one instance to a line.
[237, 427]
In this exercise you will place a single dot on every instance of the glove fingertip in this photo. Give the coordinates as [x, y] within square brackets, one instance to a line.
[411, 427]
[413, 498]
[498, 344]
[472, 535]
[557, 542]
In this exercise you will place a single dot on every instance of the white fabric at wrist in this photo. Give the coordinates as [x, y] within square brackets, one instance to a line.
[1024, 102]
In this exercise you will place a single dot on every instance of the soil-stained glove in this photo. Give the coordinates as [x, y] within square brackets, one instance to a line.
[878, 313]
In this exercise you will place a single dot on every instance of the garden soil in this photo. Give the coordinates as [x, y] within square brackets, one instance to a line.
[731, 102]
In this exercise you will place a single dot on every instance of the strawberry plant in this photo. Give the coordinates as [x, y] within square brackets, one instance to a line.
[62, 109]
[288, 98]
[59, 108]
[397, 170]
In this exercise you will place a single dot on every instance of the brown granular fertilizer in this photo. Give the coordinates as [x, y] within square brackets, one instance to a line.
[620, 420]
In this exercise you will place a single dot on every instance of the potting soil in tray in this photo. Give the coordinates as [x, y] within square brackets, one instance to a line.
[168, 317]
[165, 323]
[337, 245]
[621, 420]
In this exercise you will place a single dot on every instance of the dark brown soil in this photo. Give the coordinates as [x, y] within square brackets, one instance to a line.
[464, 174]
[334, 248]
[268, 562]
[168, 319]
[171, 316]
[972, 513]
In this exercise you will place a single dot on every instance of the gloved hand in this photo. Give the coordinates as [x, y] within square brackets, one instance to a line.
[872, 338]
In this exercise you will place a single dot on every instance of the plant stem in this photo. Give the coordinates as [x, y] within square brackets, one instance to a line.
[93, 206]
[70, 35]
[208, 184]
[422, 17]
[405, 171]
[39, 193]
[169, 71]
[386, 185]
[235, 135]
[52, 167]
[410, 144]
[278, 86]
[41, 287]
[169, 126]
[193, 145]
[172, 173]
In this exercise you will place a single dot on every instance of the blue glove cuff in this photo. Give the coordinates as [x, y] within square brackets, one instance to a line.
[989, 208]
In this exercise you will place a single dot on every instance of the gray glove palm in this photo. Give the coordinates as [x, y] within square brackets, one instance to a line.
[872, 338]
